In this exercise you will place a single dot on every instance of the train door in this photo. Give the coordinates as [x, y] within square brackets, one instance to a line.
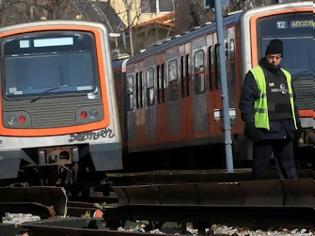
[234, 93]
[217, 100]
[150, 100]
[212, 91]
[173, 94]
[200, 106]
[185, 98]
[229, 49]
[236, 61]
[131, 106]
[161, 117]
[140, 100]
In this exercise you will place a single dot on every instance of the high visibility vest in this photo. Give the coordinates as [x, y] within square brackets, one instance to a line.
[261, 104]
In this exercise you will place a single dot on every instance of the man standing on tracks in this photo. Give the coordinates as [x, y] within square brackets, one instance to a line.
[269, 112]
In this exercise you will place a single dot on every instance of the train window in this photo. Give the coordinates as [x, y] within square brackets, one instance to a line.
[210, 62]
[173, 80]
[226, 48]
[140, 90]
[217, 74]
[137, 90]
[231, 59]
[232, 49]
[158, 83]
[296, 30]
[199, 72]
[163, 82]
[231, 64]
[187, 64]
[182, 76]
[150, 87]
[172, 70]
[66, 61]
[130, 94]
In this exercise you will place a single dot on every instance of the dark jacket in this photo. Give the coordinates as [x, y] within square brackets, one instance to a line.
[280, 128]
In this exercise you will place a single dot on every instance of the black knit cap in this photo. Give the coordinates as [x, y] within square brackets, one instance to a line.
[275, 46]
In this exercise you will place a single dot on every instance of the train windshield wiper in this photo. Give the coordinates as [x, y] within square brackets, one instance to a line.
[47, 91]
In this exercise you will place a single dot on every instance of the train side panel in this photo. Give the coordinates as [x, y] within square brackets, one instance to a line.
[182, 103]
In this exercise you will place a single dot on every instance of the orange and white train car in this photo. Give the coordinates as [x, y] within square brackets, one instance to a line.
[58, 112]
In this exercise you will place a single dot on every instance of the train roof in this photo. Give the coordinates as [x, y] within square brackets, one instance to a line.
[186, 36]
[232, 18]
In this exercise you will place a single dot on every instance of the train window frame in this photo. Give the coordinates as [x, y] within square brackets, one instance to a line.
[182, 77]
[160, 84]
[231, 63]
[217, 73]
[64, 90]
[171, 69]
[199, 76]
[163, 81]
[141, 89]
[283, 31]
[210, 67]
[172, 73]
[187, 72]
[130, 93]
[137, 90]
[158, 74]
[150, 81]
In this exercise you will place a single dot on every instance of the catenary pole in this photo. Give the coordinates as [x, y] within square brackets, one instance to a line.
[224, 90]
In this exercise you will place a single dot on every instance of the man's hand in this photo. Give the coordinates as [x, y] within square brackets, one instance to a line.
[250, 130]
[298, 132]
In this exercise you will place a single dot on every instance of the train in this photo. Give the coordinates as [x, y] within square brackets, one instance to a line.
[69, 113]
[171, 99]
[59, 118]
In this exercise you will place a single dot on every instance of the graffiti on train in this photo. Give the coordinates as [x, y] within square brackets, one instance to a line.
[104, 133]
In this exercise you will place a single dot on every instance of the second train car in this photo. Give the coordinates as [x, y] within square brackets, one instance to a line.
[171, 91]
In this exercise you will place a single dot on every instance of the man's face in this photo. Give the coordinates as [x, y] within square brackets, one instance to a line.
[273, 59]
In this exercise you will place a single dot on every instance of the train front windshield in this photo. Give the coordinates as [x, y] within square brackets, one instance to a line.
[296, 32]
[54, 62]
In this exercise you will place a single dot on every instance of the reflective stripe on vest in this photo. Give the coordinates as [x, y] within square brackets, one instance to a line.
[261, 104]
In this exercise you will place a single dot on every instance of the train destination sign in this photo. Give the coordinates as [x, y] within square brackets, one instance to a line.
[302, 23]
[295, 24]
[286, 25]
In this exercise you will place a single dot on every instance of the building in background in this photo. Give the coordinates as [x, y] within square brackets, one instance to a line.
[126, 20]
[197, 12]
[148, 20]
[133, 23]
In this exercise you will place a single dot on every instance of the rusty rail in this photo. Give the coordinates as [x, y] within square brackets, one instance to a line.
[274, 193]
[43, 201]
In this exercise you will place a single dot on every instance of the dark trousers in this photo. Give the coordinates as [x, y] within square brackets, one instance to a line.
[283, 153]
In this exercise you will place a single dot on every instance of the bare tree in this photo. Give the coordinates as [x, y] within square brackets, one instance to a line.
[21, 11]
[130, 6]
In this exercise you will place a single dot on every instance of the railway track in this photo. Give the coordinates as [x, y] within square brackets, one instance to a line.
[184, 198]
[153, 219]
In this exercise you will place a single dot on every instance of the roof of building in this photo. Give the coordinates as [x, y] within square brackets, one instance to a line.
[164, 20]
[102, 12]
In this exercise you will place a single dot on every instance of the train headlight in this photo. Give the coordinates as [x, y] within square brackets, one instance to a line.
[88, 114]
[93, 114]
[12, 121]
[83, 115]
[22, 119]
[17, 119]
